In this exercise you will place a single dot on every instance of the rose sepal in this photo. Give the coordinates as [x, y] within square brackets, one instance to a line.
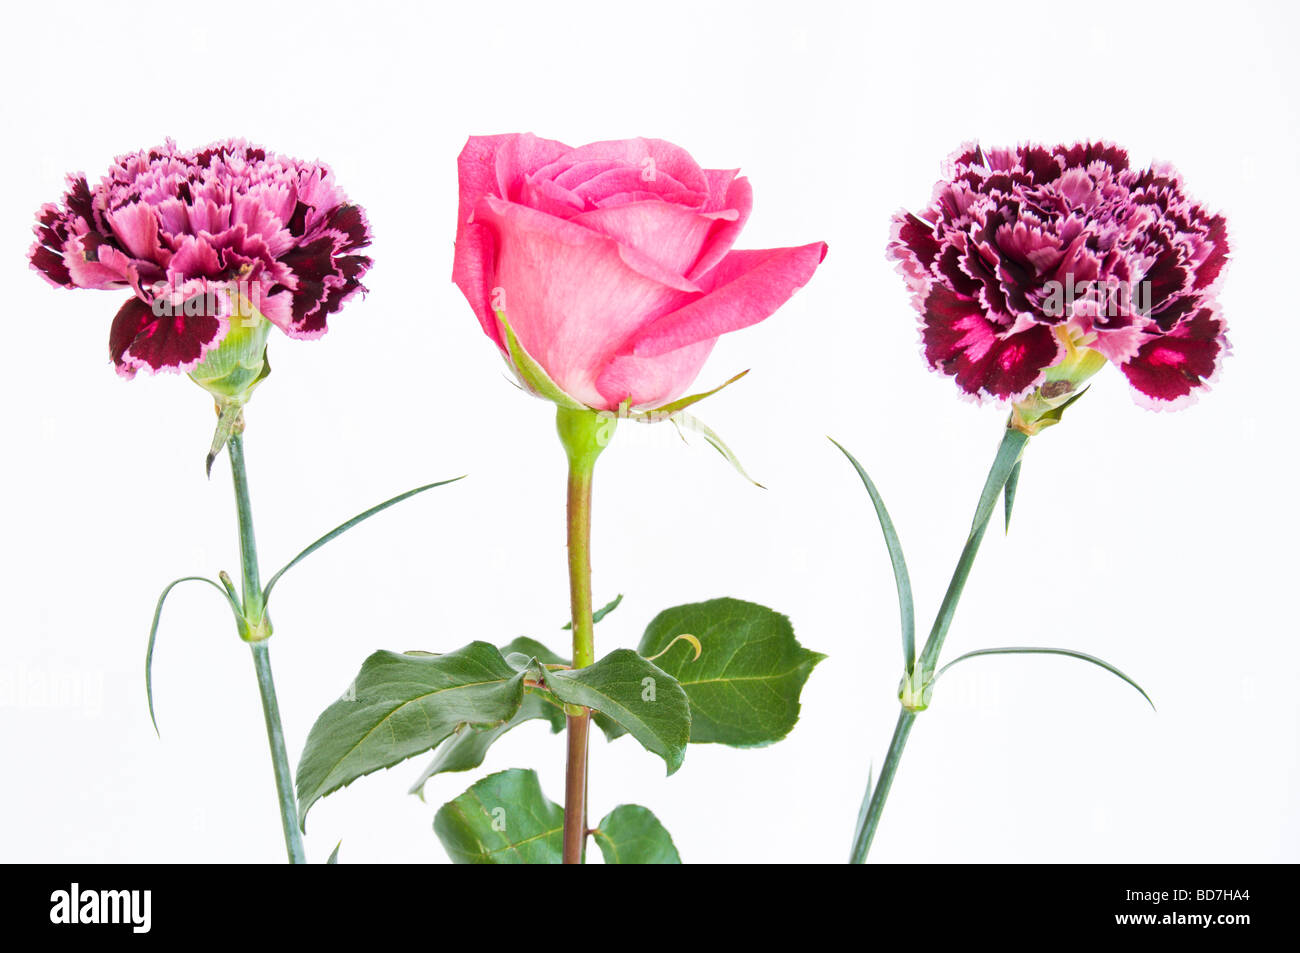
[531, 375]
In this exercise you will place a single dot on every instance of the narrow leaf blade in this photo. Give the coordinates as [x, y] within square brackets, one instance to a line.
[902, 581]
[1042, 650]
[344, 527]
[1008, 455]
[153, 633]
[1009, 494]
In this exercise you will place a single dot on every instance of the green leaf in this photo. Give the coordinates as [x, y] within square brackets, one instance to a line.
[744, 689]
[639, 695]
[340, 530]
[400, 706]
[1037, 650]
[1009, 494]
[334, 854]
[682, 419]
[523, 645]
[630, 834]
[469, 744]
[600, 613]
[608, 726]
[503, 819]
[902, 582]
[153, 633]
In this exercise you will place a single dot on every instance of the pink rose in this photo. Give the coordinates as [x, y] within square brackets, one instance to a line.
[612, 262]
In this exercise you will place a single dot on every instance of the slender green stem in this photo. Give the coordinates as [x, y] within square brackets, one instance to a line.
[279, 756]
[584, 653]
[579, 536]
[1013, 443]
[257, 632]
[584, 435]
[876, 797]
[251, 578]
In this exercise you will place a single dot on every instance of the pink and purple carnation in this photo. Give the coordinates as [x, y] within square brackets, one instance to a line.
[199, 236]
[1025, 254]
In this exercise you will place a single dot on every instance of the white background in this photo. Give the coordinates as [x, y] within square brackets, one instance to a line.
[1162, 542]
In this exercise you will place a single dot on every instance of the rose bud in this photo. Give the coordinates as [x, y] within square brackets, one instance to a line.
[606, 273]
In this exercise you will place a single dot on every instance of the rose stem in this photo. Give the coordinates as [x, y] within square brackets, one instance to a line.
[258, 633]
[1013, 443]
[580, 432]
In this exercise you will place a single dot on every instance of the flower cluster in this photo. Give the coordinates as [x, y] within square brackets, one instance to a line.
[201, 237]
[1031, 267]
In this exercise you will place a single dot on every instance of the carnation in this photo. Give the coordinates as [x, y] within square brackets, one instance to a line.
[1032, 267]
[204, 239]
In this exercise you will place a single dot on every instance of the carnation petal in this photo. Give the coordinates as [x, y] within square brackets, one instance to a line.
[226, 221]
[961, 340]
[1019, 241]
[1170, 367]
[136, 227]
[177, 342]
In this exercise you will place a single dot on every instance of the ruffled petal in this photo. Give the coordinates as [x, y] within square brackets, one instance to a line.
[1171, 367]
[212, 225]
[1024, 249]
[960, 340]
[177, 342]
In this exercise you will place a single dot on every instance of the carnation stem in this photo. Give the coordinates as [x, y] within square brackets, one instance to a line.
[1013, 443]
[583, 436]
[257, 631]
[876, 798]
